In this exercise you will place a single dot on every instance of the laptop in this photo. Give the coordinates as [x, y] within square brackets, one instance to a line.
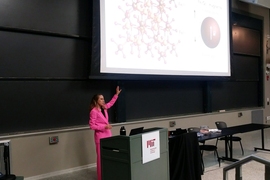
[136, 131]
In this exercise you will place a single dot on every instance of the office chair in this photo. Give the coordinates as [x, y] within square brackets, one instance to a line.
[205, 147]
[222, 125]
[180, 131]
[176, 132]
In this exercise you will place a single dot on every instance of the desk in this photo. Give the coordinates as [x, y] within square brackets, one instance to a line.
[230, 131]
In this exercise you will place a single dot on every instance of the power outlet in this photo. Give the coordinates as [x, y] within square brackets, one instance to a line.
[172, 123]
[53, 140]
[268, 118]
[240, 114]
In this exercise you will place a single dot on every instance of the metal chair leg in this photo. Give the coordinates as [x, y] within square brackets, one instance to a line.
[202, 161]
[216, 141]
[218, 158]
[241, 147]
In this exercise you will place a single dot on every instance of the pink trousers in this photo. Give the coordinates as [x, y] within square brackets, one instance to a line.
[98, 162]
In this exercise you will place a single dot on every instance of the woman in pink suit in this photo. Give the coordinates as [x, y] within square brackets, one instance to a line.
[99, 121]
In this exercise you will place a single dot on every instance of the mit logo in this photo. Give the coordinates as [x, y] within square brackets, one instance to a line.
[151, 143]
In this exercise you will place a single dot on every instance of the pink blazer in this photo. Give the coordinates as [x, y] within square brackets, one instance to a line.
[97, 121]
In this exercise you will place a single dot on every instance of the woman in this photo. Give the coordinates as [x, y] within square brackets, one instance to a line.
[99, 121]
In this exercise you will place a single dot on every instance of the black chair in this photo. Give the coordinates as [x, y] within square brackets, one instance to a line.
[180, 131]
[221, 125]
[177, 132]
[205, 147]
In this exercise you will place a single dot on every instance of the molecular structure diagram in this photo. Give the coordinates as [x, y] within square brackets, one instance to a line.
[148, 28]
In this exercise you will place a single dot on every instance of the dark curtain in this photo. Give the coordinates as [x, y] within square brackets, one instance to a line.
[185, 157]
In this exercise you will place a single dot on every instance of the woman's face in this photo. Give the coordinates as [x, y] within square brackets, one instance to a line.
[100, 101]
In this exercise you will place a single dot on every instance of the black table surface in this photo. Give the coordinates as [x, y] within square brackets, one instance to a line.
[233, 130]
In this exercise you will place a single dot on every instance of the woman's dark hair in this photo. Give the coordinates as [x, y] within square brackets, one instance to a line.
[94, 101]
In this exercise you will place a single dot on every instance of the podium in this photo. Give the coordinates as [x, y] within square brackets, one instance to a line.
[122, 158]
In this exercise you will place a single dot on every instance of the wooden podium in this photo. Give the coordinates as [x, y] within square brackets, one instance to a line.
[122, 158]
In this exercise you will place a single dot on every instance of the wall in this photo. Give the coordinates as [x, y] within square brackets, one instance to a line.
[263, 12]
[33, 157]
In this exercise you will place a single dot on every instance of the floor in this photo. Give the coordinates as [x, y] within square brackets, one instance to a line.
[250, 171]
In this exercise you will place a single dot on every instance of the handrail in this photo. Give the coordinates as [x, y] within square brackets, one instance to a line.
[237, 166]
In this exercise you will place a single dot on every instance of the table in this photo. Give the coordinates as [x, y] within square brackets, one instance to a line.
[230, 131]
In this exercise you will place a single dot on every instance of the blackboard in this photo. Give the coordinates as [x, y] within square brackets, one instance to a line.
[38, 105]
[234, 95]
[161, 99]
[44, 68]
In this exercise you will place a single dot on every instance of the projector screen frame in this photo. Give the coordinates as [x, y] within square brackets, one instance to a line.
[96, 55]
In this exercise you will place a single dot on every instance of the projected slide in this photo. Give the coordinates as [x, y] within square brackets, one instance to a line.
[167, 37]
